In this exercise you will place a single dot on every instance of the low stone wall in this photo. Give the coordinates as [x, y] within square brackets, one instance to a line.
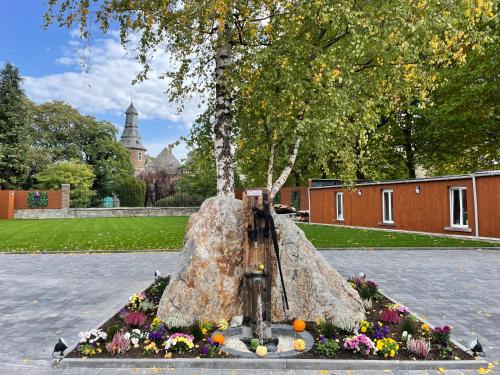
[70, 213]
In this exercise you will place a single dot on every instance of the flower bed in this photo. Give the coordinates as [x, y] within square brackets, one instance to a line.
[389, 332]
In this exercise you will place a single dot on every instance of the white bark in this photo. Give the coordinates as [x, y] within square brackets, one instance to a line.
[222, 129]
[288, 168]
[270, 169]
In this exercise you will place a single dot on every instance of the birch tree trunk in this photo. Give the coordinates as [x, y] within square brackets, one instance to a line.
[222, 129]
[288, 168]
[270, 169]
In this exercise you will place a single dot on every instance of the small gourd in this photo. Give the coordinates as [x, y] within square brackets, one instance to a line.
[299, 325]
[299, 345]
[261, 351]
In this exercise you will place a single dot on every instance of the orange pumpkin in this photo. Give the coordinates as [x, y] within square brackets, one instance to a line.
[218, 339]
[299, 325]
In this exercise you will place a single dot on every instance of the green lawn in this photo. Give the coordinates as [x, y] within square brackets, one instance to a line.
[323, 236]
[124, 233]
[143, 233]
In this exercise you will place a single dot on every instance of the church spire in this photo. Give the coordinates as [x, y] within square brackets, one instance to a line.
[131, 139]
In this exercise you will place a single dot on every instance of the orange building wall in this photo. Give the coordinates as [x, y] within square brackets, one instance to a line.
[428, 211]
[21, 199]
[488, 202]
[6, 204]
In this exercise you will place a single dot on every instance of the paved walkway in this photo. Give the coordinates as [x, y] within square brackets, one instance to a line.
[43, 294]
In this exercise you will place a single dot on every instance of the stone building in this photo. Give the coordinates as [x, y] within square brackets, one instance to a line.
[131, 139]
[165, 162]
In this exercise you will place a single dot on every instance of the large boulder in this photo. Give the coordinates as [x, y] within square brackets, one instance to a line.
[207, 283]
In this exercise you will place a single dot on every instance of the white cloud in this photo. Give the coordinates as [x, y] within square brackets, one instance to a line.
[105, 88]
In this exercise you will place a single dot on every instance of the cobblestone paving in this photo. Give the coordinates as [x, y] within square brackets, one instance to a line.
[43, 294]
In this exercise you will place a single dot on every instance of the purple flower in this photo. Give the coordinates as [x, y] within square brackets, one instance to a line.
[380, 331]
[205, 350]
[321, 338]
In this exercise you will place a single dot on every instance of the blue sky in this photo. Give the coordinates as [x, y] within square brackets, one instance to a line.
[50, 63]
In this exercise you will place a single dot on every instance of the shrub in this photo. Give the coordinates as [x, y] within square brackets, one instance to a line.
[327, 329]
[180, 200]
[196, 331]
[135, 319]
[327, 347]
[441, 336]
[119, 345]
[159, 286]
[111, 331]
[174, 321]
[390, 316]
[130, 190]
[410, 325]
[420, 347]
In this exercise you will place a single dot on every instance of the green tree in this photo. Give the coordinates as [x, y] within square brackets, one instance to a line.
[460, 133]
[14, 140]
[130, 190]
[79, 175]
[61, 133]
[320, 69]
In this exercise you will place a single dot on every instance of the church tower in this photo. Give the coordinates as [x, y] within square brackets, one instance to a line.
[131, 139]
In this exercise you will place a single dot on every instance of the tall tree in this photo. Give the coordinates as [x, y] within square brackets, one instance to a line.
[61, 133]
[79, 175]
[14, 140]
[316, 63]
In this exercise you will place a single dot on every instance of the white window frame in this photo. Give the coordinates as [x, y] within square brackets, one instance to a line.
[461, 205]
[390, 219]
[340, 216]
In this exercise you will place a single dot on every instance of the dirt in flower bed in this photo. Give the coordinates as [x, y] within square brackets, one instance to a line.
[204, 347]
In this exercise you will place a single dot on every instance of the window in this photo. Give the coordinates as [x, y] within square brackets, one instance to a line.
[387, 207]
[139, 156]
[296, 199]
[459, 213]
[339, 198]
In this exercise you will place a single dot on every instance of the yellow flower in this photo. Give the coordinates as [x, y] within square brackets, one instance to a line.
[426, 327]
[363, 329]
[392, 352]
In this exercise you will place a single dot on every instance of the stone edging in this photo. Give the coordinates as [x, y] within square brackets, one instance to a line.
[272, 364]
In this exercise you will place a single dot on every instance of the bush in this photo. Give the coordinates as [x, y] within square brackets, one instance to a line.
[130, 190]
[326, 329]
[410, 325]
[180, 200]
[327, 347]
[390, 316]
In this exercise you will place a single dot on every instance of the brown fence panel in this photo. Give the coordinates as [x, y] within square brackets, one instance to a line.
[21, 199]
[6, 204]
